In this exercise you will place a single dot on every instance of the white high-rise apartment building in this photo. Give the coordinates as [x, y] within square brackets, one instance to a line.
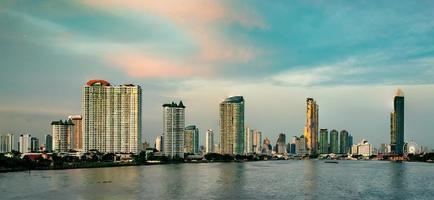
[24, 143]
[209, 141]
[248, 141]
[173, 129]
[159, 143]
[257, 141]
[62, 131]
[6, 143]
[112, 120]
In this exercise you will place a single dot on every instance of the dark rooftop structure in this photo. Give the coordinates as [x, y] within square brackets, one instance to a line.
[174, 105]
[234, 99]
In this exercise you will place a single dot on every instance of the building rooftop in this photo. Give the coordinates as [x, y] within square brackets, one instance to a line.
[60, 122]
[234, 99]
[98, 82]
[174, 105]
[191, 127]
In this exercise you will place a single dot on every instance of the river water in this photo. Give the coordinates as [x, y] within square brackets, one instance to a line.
[250, 180]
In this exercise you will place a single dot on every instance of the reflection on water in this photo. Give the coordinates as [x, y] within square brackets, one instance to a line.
[310, 176]
[398, 182]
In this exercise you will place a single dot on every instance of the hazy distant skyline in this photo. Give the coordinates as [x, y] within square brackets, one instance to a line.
[350, 56]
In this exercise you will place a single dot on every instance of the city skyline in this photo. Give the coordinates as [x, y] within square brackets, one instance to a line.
[348, 71]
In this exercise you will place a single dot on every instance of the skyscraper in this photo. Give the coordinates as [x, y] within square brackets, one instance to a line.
[159, 143]
[248, 141]
[257, 141]
[344, 142]
[112, 117]
[334, 141]
[209, 141]
[397, 124]
[6, 143]
[77, 138]
[62, 135]
[281, 144]
[311, 129]
[300, 146]
[324, 141]
[191, 139]
[173, 129]
[232, 125]
[34, 144]
[48, 142]
[24, 143]
[266, 146]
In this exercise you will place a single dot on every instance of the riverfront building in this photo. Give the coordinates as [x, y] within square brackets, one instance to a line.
[24, 143]
[191, 140]
[62, 135]
[334, 141]
[311, 128]
[281, 144]
[209, 141]
[173, 129]
[232, 126]
[6, 143]
[77, 135]
[257, 141]
[397, 124]
[48, 139]
[158, 144]
[248, 141]
[344, 146]
[112, 120]
[323, 141]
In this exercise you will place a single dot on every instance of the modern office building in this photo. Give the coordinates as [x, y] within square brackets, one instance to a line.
[257, 141]
[173, 129]
[248, 141]
[112, 120]
[6, 143]
[397, 124]
[323, 141]
[311, 128]
[48, 139]
[334, 141]
[24, 143]
[209, 141]
[281, 144]
[158, 144]
[34, 141]
[62, 132]
[191, 140]
[77, 135]
[344, 142]
[232, 126]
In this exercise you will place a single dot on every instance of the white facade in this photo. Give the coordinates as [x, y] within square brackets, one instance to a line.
[248, 141]
[173, 130]
[209, 141]
[159, 143]
[62, 132]
[112, 117]
[362, 148]
[25, 142]
[6, 143]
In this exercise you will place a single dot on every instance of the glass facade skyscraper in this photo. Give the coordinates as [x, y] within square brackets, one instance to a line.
[334, 141]
[311, 129]
[344, 142]
[191, 139]
[397, 124]
[232, 126]
[323, 141]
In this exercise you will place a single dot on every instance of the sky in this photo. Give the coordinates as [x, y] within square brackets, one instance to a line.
[348, 55]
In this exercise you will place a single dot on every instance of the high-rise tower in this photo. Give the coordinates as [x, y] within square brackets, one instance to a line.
[397, 124]
[209, 141]
[324, 141]
[173, 129]
[311, 128]
[232, 125]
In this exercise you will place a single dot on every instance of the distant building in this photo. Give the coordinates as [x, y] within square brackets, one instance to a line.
[397, 124]
[217, 148]
[24, 143]
[248, 141]
[257, 141]
[334, 141]
[266, 147]
[191, 140]
[34, 144]
[158, 144]
[232, 126]
[281, 144]
[173, 129]
[6, 143]
[324, 141]
[112, 117]
[344, 142]
[77, 139]
[384, 149]
[362, 148]
[209, 141]
[62, 135]
[301, 146]
[48, 139]
[311, 128]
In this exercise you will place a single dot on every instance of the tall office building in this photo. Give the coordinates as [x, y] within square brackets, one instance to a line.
[158, 144]
[266, 146]
[191, 139]
[248, 141]
[48, 142]
[292, 145]
[257, 141]
[24, 143]
[281, 144]
[77, 138]
[112, 120]
[334, 141]
[209, 141]
[311, 129]
[397, 124]
[62, 135]
[6, 143]
[344, 142]
[323, 141]
[173, 129]
[232, 125]
[34, 144]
